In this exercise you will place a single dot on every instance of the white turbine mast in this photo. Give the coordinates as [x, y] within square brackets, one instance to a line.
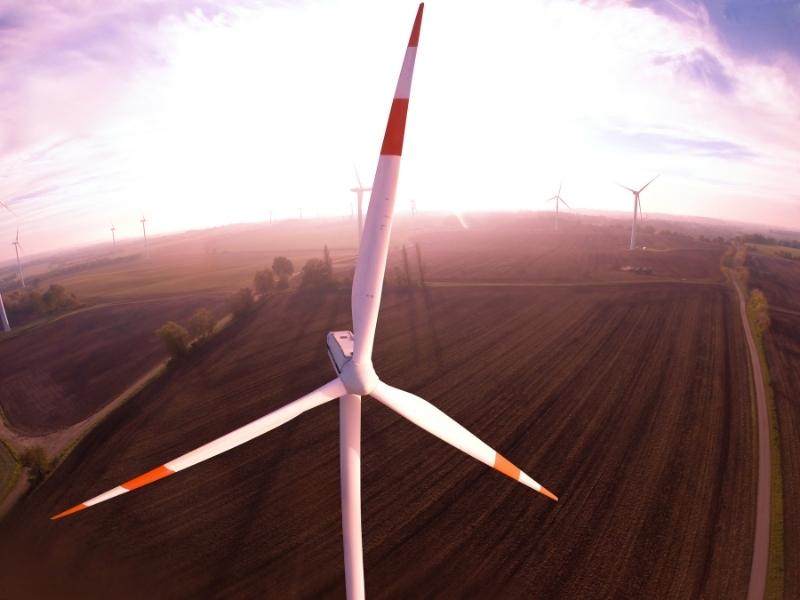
[637, 208]
[351, 355]
[17, 248]
[144, 234]
[359, 191]
[114, 235]
[558, 200]
[3, 316]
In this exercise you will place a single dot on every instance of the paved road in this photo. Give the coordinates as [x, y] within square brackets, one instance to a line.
[758, 568]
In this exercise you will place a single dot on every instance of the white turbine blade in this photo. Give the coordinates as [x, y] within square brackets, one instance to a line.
[560, 183]
[626, 188]
[564, 202]
[374, 244]
[431, 419]
[358, 179]
[648, 183]
[327, 392]
[7, 207]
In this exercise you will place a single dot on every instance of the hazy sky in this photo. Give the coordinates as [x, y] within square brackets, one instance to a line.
[205, 113]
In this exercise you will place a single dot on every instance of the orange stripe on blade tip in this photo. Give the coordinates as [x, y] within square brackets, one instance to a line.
[69, 511]
[502, 464]
[149, 477]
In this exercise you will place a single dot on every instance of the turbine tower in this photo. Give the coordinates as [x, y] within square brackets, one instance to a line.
[144, 233]
[637, 208]
[351, 356]
[3, 315]
[558, 200]
[114, 235]
[359, 191]
[17, 248]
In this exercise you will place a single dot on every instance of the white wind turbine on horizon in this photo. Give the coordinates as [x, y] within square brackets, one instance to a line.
[351, 356]
[359, 191]
[17, 248]
[558, 200]
[637, 208]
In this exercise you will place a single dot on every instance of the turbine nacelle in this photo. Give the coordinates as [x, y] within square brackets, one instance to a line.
[359, 378]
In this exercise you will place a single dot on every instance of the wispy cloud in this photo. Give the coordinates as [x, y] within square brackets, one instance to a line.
[699, 66]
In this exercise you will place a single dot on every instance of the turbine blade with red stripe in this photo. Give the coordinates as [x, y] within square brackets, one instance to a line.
[371, 265]
[431, 419]
[268, 422]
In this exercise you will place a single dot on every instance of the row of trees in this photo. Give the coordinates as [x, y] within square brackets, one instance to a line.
[36, 303]
[178, 339]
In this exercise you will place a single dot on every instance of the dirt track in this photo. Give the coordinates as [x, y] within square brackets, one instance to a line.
[629, 403]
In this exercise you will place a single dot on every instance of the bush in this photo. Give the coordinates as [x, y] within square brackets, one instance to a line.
[315, 274]
[242, 302]
[175, 338]
[264, 281]
[36, 462]
[34, 302]
[202, 324]
[282, 267]
[283, 283]
[759, 309]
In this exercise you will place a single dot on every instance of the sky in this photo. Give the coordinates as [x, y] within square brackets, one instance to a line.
[198, 113]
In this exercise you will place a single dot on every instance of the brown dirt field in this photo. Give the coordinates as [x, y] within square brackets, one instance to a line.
[529, 250]
[632, 404]
[61, 372]
[780, 280]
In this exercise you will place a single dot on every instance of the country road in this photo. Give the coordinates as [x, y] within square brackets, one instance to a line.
[758, 568]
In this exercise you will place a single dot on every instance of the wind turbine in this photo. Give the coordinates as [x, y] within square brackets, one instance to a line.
[637, 208]
[114, 235]
[558, 200]
[351, 356]
[17, 248]
[359, 191]
[144, 233]
[3, 315]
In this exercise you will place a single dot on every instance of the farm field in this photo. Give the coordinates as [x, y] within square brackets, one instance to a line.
[530, 250]
[631, 403]
[62, 371]
[779, 279]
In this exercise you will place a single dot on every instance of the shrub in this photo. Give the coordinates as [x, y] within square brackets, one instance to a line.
[36, 462]
[175, 338]
[759, 309]
[283, 283]
[264, 281]
[202, 324]
[282, 267]
[315, 274]
[242, 302]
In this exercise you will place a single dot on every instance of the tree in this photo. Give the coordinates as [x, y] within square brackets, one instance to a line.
[202, 324]
[760, 310]
[175, 338]
[242, 302]
[264, 281]
[282, 267]
[326, 258]
[315, 274]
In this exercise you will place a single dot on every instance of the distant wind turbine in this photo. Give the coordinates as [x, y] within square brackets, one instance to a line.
[359, 191]
[17, 248]
[558, 200]
[637, 208]
[114, 235]
[351, 356]
[144, 233]
[413, 207]
[3, 315]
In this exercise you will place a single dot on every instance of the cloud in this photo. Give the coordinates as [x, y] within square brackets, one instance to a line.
[700, 66]
[675, 143]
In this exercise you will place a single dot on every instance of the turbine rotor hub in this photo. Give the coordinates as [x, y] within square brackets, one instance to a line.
[358, 378]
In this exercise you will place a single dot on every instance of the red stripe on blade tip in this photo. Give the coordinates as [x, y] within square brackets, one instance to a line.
[395, 128]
